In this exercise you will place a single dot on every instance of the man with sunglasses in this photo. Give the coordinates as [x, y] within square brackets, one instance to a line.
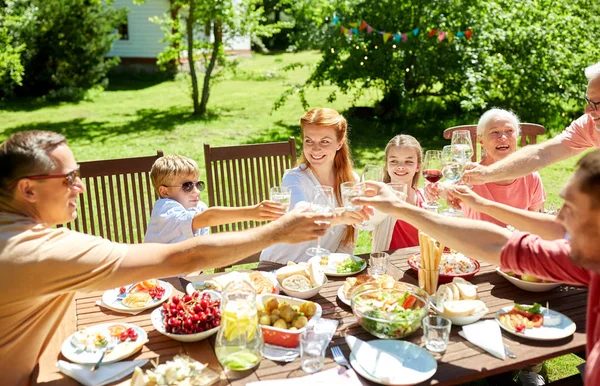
[582, 134]
[41, 267]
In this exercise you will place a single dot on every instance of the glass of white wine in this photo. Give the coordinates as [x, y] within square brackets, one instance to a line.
[452, 170]
[282, 195]
[370, 173]
[463, 146]
[322, 202]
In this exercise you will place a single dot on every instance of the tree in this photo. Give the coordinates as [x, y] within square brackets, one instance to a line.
[57, 47]
[206, 25]
[527, 55]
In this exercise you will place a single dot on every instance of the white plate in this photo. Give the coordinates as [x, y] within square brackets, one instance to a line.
[121, 351]
[457, 320]
[342, 296]
[418, 364]
[528, 285]
[564, 329]
[157, 321]
[336, 258]
[109, 298]
[235, 275]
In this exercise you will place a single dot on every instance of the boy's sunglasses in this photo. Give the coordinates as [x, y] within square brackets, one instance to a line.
[70, 177]
[188, 186]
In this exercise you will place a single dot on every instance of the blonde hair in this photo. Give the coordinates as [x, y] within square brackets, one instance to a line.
[342, 163]
[172, 166]
[403, 140]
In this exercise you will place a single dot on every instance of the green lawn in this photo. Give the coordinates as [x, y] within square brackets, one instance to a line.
[139, 114]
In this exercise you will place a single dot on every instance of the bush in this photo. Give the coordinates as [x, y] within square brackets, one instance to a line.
[65, 43]
[527, 56]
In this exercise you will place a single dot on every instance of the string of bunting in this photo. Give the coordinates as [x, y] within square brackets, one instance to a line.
[356, 28]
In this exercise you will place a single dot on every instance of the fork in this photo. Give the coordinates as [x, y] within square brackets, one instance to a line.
[339, 357]
[109, 346]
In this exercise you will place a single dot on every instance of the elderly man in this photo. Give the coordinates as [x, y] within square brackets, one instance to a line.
[41, 267]
[582, 134]
[575, 262]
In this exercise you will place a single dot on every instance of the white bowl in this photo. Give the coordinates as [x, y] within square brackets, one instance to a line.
[303, 294]
[158, 321]
[459, 320]
[528, 285]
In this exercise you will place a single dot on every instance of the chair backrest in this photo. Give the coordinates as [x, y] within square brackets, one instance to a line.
[118, 199]
[243, 175]
[529, 133]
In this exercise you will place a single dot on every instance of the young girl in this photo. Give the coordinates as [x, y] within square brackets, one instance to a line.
[325, 160]
[403, 155]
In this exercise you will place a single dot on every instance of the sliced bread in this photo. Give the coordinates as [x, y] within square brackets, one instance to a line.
[463, 307]
[467, 290]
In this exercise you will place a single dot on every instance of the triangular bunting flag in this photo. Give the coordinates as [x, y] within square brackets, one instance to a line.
[355, 30]
[369, 29]
[404, 37]
[468, 34]
[441, 36]
[363, 25]
[335, 19]
[416, 31]
[449, 37]
[343, 30]
[353, 25]
[432, 33]
[386, 37]
[397, 37]
[460, 34]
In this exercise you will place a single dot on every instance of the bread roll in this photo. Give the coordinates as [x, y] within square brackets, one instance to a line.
[296, 283]
[290, 270]
[443, 294]
[467, 290]
[455, 291]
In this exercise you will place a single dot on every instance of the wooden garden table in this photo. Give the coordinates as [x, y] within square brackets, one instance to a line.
[462, 362]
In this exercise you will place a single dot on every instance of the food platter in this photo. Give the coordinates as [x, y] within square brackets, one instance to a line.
[452, 264]
[263, 282]
[331, 264]
[564, 329]
[79, 347]
[111, 300]
[527, 285]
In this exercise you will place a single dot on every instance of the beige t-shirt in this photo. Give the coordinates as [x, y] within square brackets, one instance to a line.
[40, 270]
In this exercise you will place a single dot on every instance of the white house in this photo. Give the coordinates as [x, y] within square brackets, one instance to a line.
[141, 39]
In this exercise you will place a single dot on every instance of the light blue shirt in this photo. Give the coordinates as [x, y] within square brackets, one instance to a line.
[171, 223]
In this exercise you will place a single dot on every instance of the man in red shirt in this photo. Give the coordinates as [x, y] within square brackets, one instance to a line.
[573, 262]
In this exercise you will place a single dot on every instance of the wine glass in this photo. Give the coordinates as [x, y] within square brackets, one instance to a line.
[452, 170]
[322, 202]
[432, 171]
[463, 150]
[370, 173]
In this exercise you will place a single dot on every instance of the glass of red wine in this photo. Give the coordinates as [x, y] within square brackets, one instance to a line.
[432, 171]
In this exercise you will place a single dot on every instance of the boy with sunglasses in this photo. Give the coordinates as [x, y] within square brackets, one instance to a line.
[179, 214]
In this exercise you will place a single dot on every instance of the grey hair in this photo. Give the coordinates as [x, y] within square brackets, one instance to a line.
[592, 71]
[493, 113]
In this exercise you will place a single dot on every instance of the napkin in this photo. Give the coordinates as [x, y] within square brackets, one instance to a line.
[379, 364]
[102, 304]
[485, 334]
[105, 374]
[335, 376]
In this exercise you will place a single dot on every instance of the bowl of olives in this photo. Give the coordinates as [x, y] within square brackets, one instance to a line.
[284, 318]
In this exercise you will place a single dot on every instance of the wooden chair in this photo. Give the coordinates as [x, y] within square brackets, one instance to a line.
[118, 199]
[529, 133]
[242, 175]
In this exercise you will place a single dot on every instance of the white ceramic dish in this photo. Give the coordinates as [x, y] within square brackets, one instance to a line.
[418, 364]
[459, 320]
[304, 294]
[334, 260]
[121, 351]
[235, 275]
[565, 329]
[527, 285]
[109, 298]
[342, 296]
[159, 323]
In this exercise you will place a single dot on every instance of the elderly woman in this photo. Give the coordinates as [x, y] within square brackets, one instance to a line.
[497, 131]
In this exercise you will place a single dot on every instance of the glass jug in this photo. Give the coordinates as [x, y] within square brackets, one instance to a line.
[239, 340]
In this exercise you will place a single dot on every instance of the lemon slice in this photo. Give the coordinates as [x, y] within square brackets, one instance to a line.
[241, 360]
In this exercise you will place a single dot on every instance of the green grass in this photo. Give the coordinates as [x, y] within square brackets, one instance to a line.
[139, 114]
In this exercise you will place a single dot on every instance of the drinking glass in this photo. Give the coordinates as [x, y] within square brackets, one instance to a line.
[312, 350]
[282, 195]
[463, 149]
[400, 189]
[378, 263]
[452, 170]
[436, 331]
[349, 191]
[322, 202]
[370, 173]
[432, 171]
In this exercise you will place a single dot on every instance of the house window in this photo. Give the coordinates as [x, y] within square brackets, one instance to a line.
[124, 31]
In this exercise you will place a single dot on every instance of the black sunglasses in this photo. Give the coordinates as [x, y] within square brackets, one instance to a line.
[70, 177]
[591, 103]
[188, 186]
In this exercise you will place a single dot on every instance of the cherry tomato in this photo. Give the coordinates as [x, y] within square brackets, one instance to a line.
[538, 320]
[520, 327]
[409, 302]
[122, 290]
[124, 336]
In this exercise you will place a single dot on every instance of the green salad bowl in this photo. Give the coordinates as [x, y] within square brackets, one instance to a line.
[389, 311]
